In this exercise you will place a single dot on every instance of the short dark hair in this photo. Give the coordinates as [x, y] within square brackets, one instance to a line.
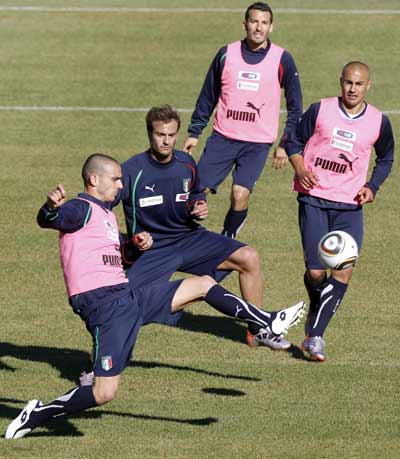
[163, 113]
[258, 6]
[95, 163]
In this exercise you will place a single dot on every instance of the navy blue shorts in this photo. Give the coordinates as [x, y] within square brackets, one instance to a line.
[221, 154]
[315, 222]
[198, 253]
[114, 326]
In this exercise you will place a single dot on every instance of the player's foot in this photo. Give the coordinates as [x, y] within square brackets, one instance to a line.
[310, 321]
[21, 425]
[264, 338]
[286, 318]
[86, 379]
[315, 347]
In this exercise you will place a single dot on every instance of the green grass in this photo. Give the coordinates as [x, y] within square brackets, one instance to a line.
[196, 391]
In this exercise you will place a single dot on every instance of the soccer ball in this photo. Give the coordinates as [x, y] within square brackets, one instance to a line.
[338, 250]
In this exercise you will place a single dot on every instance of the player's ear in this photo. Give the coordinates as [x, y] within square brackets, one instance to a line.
[93, 179]
[369, 84]
[271, 28]
[244, 26]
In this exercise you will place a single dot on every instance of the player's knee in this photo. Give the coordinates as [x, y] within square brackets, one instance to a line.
[315, 275]
[105, 393]
[344, 275]
[207, 282]
[250, 260]
[240, 198]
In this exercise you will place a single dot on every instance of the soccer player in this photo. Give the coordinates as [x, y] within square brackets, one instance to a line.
[330, 153]
[99, 292]
[162, 196]
[245, 79]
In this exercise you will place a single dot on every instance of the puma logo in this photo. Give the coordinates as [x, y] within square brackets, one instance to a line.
[343, 156]
[238, 309]
[258, 110]
[151, 188]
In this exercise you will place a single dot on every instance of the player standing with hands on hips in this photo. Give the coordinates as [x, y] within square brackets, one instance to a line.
[245, 80]
[330, 153]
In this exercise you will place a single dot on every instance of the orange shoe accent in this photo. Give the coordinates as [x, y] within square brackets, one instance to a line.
[251, 342]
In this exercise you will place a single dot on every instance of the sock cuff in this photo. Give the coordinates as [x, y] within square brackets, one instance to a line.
[238, 212]
[337, 284]
[214, 290]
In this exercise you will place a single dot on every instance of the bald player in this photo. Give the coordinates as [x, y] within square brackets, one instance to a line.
[330, 154]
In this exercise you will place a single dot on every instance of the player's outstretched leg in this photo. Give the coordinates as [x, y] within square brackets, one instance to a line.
[276, 323]
[35, 413]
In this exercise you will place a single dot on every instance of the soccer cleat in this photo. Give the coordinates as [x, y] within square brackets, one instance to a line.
[86, 379]
[21, 426]
[286, 318]
[264, 338]
[314, 346]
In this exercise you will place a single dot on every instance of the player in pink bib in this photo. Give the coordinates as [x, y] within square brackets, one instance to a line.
[244, 82]
[112, 309]
[330, 153]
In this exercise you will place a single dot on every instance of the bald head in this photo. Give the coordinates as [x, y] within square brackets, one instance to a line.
[357, 66]
[96, 164]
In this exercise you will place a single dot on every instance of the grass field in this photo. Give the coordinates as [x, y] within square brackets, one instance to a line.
[195, 391]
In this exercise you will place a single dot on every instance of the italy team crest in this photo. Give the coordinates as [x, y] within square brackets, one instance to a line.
[106, 362]
[186, 184]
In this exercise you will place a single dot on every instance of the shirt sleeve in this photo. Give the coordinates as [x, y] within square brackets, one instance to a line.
[303, 131]
[384, 149]
[290, 82]
[209, 95]
[196, 192]
[70, 217]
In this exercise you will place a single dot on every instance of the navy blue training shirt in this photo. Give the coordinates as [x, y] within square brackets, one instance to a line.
[158, 197]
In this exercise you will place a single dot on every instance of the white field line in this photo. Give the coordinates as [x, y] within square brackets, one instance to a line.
[59, 108]
[127, 10]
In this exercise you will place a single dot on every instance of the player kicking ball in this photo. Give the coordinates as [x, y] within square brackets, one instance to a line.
[100, 293]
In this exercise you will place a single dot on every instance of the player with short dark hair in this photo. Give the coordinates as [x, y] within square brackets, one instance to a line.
[245, 81]
[112, 309]
[330, 153]
[162, 196]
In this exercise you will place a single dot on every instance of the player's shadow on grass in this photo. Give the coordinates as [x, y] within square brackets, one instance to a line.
[151, 365]
[69, 362]
[223, 327]
[63, 426]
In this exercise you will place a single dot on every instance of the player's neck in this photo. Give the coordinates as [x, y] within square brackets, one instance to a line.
[160, 158]
[255, 47]
[356, 110]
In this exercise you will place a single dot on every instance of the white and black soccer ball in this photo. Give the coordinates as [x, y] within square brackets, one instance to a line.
[338, 250]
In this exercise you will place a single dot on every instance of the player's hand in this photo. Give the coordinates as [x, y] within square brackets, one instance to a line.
[56, 197]
[200, 210]
[280, 158]
[190, 144]
[143, 241]
[308, 180]
[365, 195]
